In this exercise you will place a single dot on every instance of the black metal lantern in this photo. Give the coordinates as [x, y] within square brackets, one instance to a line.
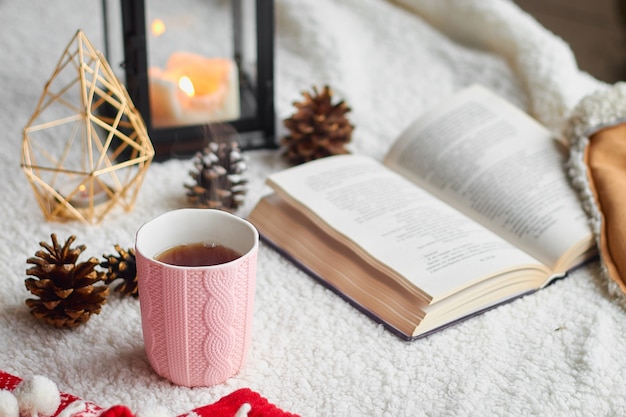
[190, 64]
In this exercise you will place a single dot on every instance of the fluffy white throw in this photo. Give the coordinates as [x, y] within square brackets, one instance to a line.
[557, 352]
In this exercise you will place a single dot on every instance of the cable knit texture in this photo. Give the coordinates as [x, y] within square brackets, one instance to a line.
[197, 327]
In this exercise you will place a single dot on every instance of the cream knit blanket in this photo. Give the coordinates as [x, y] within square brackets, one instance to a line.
[557, 352]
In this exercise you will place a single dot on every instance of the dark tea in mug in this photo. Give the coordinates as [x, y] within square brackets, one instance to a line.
[198, 254]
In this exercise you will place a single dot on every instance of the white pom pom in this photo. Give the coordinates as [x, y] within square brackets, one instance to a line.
[8, 404]
[154, 412]
[38, 396]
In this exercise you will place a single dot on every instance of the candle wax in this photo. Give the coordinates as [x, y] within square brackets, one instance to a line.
[213, 97]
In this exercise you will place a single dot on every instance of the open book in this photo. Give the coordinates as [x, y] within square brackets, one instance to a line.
[470, 208]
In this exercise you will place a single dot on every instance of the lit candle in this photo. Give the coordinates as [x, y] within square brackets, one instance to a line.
[78, 194]
[193, 90]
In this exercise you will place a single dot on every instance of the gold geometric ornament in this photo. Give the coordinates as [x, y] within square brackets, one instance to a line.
[86, 149]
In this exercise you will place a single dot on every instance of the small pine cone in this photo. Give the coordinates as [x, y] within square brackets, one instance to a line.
[122, 267]
[317, 129]
[66, 289]
[218, 177]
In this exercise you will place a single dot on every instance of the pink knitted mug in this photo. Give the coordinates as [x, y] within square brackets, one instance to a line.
[196, 321]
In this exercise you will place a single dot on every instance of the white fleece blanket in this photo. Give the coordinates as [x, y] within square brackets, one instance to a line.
[557, 352]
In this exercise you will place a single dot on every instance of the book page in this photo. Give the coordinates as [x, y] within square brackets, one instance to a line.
[429, 243]
[495, 163]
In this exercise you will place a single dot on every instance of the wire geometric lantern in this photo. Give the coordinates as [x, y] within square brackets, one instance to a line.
[85, 149]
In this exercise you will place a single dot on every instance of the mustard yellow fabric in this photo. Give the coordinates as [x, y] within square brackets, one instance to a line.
[605, 157]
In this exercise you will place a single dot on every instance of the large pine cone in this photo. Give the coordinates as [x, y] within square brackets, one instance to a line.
[219, 181]
[317, 129]
[66, 290]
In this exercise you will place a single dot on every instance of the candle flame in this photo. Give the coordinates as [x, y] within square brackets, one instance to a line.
[186, 85]
[158, 27]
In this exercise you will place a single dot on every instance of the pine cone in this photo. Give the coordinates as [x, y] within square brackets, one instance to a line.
[219, 182]
[122, 267]
[317, 129]
[66, 290]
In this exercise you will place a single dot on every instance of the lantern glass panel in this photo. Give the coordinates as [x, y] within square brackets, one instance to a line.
[192, 63]
[192, 75]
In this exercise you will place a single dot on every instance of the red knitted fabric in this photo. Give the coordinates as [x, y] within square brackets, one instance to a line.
[225, 407]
